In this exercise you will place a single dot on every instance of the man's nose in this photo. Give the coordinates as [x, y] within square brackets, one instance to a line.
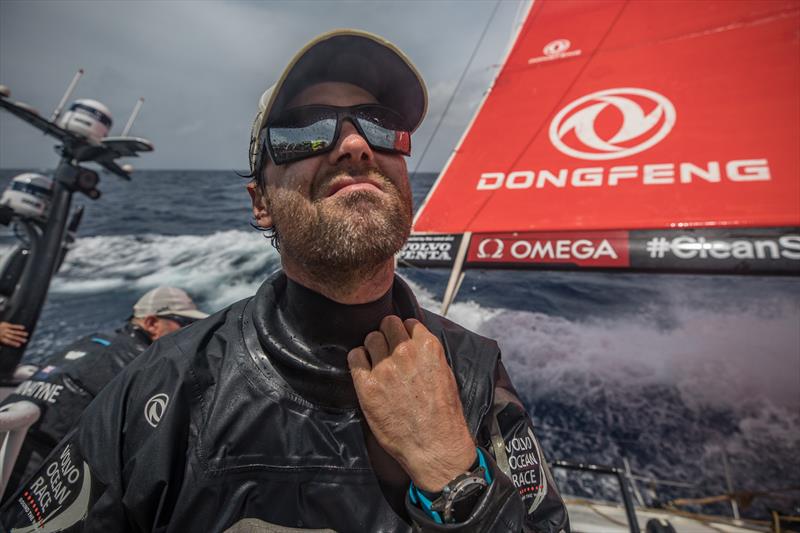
[352, 146]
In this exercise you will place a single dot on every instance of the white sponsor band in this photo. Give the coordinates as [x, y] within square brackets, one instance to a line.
[737, 170]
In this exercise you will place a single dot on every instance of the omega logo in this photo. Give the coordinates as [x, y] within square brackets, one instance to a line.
[496, 254]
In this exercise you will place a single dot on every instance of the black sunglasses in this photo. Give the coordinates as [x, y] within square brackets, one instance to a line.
[311, 130]
[181, 320]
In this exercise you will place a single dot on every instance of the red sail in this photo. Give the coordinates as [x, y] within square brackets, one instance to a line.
[615, 115]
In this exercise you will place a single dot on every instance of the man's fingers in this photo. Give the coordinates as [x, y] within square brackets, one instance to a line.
[394, 331]
[415, 327]
[358, 362]
[17, 327]
[377, 346]
[16, 337]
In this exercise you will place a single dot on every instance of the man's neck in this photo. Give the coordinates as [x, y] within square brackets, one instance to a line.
[357, 286]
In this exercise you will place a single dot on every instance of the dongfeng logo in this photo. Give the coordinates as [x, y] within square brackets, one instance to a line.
[559, 46]
[588, 128]
[154, 409]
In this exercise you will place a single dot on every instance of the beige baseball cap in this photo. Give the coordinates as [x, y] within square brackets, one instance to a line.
[163, 301]
[346, 55]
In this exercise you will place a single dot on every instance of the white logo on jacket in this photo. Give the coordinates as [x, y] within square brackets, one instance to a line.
[154, 408]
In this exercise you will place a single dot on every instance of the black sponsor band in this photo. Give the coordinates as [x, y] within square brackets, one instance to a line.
[429, 251]
[718, 250]
[774, 251]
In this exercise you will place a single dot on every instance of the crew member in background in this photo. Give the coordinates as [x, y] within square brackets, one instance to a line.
[13, 335]
[329, 400]
[72, 378]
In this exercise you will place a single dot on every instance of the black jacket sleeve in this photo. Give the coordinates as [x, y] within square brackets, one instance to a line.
[523, 496]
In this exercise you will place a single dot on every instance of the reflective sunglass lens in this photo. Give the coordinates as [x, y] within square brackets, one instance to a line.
[291, 143]
[385, 138]
[310, 130]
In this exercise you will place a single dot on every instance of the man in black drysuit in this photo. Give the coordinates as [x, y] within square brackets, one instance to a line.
[329, 401]
[72, 378]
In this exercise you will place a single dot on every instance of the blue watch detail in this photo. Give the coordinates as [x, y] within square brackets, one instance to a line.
[482, 462]
[419, 499]
[425, 503]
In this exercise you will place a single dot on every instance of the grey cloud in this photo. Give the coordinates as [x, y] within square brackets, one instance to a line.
[201, 66]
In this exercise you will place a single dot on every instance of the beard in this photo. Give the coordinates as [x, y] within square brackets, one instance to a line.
[341, 237]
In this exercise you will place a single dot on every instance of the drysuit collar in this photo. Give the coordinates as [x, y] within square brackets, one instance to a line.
[307, 336]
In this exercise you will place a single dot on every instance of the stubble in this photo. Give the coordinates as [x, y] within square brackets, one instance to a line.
[343, 238]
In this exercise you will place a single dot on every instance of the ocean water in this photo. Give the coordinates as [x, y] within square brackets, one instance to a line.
[671, 372]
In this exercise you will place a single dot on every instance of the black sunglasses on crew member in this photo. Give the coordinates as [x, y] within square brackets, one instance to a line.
[307, 131]
[181, 320]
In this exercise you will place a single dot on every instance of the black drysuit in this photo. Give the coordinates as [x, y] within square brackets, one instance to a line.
[66, 385]
[248, 421]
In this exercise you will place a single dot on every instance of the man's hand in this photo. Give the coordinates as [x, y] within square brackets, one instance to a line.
[410, 399]
[13, 335]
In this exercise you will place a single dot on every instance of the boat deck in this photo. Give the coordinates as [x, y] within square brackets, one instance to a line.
[588, 516]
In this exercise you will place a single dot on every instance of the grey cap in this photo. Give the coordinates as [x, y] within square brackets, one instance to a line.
[163, 301]
[353, 56]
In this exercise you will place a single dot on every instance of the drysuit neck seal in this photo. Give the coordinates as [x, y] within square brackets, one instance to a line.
[307, 336]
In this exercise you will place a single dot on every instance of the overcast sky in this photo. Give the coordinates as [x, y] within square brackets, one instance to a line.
[201, 66]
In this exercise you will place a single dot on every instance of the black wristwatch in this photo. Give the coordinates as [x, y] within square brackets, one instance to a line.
[458, 498]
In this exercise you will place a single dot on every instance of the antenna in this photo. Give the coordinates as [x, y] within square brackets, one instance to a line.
[67, 94]
[134, 114]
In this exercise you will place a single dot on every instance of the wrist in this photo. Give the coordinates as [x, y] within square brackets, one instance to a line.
[457, 499]
[431, 473]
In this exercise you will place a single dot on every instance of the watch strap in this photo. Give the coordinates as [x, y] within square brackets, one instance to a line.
[469, 485]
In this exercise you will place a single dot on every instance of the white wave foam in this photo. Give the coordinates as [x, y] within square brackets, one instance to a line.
[671, 400]
[220, 268]
[714, 356]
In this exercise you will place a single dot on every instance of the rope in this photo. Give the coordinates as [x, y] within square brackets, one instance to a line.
[458, 85]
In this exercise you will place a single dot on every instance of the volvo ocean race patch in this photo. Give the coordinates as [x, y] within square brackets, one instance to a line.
[58, 496]
[525, 467]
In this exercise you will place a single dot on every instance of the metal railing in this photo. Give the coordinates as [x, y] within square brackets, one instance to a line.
[620, 475]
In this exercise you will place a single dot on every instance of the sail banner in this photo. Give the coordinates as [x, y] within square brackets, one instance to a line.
[630, 116]
[737, 250]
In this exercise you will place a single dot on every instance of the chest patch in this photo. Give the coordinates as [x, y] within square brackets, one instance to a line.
[154, 408]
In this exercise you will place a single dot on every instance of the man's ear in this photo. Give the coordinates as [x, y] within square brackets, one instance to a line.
[150, 325]
[260, 210]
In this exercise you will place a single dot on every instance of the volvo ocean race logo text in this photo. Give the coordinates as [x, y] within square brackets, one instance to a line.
[590, 127]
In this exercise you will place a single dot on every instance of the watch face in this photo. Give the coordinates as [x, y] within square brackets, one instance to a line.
[462, 508]
[466, 492]
[525, 464]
